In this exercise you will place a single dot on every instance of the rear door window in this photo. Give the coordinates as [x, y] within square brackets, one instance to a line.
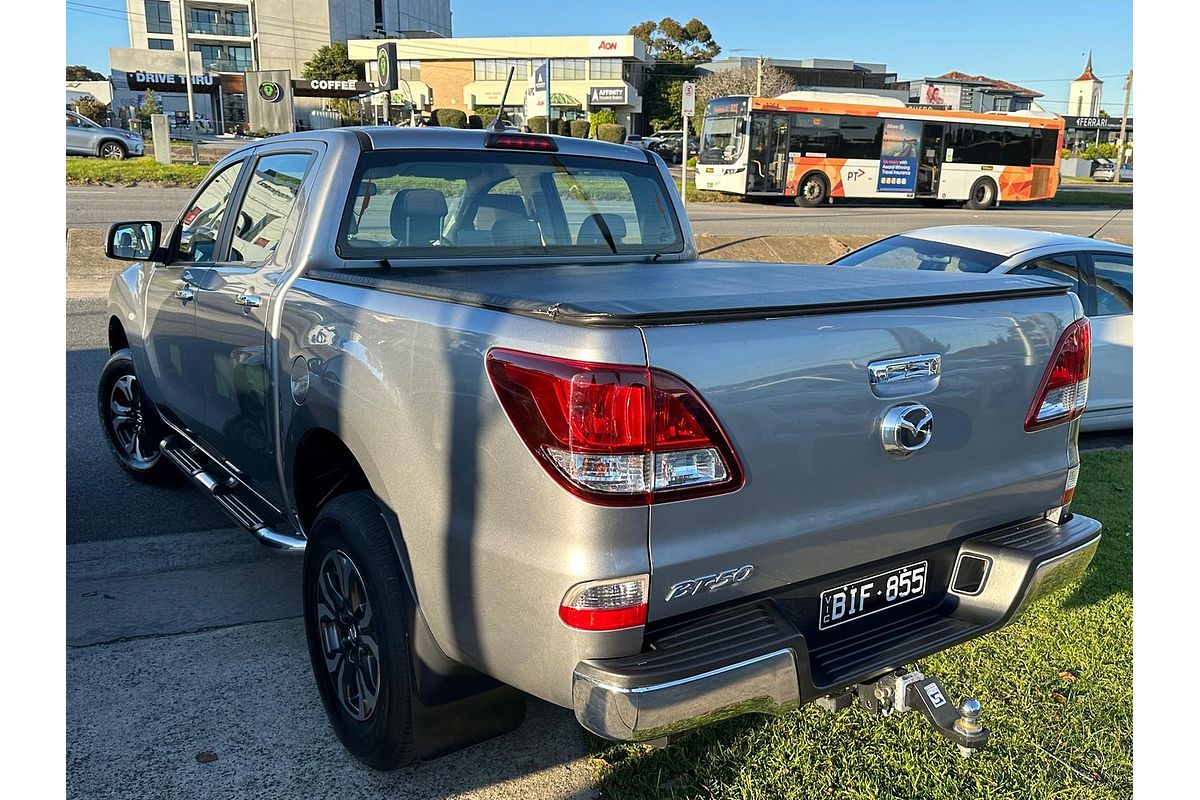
[1063, 268]
[268, 202]
[1114, 284]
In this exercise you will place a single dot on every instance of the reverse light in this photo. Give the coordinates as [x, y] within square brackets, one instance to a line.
[606, 605]
[1062, 394]
[614, 434]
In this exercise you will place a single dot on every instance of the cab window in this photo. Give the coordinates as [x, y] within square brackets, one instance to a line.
[268, 202]
[202, 221]
[1063, 268]
[1114, 284]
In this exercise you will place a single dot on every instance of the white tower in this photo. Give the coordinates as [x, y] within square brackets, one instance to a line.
[1084, 97]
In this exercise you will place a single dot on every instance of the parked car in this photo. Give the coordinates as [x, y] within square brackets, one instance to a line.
[644, 142]
[670, 146]
[1100, 274]
[464, 420]
[1107, 173]
[86, 138]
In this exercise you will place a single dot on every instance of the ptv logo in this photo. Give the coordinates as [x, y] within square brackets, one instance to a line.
[855, 174]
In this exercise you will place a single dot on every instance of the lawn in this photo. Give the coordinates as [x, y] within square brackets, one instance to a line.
[143, 170]
[1113, 199]
[1056, 688]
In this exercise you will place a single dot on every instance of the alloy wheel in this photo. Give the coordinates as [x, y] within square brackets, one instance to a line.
[348, 637]
[127, 417]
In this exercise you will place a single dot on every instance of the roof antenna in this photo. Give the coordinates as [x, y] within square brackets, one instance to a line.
[498, 124]
[1105, 225]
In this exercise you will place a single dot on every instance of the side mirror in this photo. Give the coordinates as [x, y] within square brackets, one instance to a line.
[133, 241]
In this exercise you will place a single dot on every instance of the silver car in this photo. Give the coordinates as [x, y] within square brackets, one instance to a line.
[1099, 272]
[86, 138]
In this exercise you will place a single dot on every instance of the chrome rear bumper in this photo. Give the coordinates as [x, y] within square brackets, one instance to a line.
[765, 666]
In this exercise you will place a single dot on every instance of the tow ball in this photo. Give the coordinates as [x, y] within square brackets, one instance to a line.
[898, 692]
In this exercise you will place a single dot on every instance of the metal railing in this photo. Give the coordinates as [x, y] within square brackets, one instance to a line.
[220, 28]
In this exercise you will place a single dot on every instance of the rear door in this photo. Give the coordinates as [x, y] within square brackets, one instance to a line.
[81, 139]
[822, 494]
[233, 304]
[1110, 387]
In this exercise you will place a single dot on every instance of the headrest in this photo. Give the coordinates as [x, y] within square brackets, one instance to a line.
[425, 203]
[516, 233]
[589, 231]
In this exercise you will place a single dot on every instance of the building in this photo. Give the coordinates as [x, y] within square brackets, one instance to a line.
[230, 37]
[1079, 132]
[1083, 97]
[587, 73]
[821, 74]
[958, 91]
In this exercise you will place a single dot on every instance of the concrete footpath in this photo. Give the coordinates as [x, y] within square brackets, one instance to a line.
[188, 676]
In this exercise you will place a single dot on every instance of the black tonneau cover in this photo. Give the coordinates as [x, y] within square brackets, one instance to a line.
[641, 293]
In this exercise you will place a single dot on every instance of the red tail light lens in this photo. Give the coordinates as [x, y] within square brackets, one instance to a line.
[519, 141]
[1062, 394]
[606, 605]
[614, 434]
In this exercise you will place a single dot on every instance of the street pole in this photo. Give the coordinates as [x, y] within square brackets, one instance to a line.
[684, 160]
[758, 79]
[187, 74]
[1124, 121]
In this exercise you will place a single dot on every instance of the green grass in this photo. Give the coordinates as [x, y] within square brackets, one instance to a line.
[1115, 199]
[134, 171]
[1056, 688]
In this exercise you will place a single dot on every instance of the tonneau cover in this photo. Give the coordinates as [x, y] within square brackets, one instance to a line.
[685, 291]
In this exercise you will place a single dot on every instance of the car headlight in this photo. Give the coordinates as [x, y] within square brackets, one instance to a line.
[131, 136]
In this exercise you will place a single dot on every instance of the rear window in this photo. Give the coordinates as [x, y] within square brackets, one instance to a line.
[904, 252]
[495, 203]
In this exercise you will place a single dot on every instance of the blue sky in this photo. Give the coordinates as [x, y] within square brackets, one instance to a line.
[1034, 43]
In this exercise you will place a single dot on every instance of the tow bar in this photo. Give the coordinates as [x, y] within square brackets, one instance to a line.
[898, 692]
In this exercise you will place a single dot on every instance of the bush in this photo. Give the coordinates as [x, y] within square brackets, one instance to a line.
[475, 122]
[602, 117]
[1102, 150]
[93, 109]
[449, 118]
[692, 161]
[536, 124]
[563, 127]
[609, 132]
[580, 128]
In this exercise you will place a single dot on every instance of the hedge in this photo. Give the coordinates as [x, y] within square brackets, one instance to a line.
[475, 122]
[536, 124]
[580, 128]
[449, 118]
[608, 132]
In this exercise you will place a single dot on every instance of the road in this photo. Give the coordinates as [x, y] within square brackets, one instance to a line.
[97, 207]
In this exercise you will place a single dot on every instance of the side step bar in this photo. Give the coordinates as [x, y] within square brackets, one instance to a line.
[188, 458]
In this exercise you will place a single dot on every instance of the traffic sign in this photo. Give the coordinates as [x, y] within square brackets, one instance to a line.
[689, 99]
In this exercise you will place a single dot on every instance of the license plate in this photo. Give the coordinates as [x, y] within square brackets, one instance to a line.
[866, 596]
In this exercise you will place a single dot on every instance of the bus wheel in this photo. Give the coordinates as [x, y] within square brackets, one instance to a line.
[983, 194]
[814, 190]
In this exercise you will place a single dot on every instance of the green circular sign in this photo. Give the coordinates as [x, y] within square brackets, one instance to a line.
[384, 79]
[270, 91]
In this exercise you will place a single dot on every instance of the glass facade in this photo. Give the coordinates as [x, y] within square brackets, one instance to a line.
[568, 69]
[161, 44]
[217, 22]
[606, 69]
[496, 69]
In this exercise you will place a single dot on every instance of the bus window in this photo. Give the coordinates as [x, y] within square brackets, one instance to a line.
[1045, 145]
[861, 137]
[814, 135]
[990, 144]
[723, 140]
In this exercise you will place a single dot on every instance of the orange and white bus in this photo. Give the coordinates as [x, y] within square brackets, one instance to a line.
[817, 146]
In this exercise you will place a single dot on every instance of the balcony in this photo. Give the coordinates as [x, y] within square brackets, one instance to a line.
[241, 29]
[227, 65]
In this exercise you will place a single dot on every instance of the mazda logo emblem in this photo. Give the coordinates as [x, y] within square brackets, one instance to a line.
[906, 428]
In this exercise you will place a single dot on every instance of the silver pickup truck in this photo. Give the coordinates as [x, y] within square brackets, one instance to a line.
[529, 444]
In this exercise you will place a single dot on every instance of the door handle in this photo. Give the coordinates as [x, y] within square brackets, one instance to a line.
[185, 294]
[248, 300]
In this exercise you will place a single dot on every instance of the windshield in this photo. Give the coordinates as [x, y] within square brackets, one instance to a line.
[423, 204]
[904, 252]
[723, 141]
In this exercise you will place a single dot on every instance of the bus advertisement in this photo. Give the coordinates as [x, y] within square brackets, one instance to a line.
[815, 147]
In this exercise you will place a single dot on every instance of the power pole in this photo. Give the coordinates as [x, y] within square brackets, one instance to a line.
[187, 73]
[1124, 122]
[758, 79]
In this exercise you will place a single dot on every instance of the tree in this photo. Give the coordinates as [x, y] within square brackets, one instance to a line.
[742, 81]
[664, 95]
[668, 40]
[93, 109]
[332, 62]
[78, 72]
[149, 106]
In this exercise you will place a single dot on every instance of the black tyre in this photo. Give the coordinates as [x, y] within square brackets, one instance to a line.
[983, 194]
[813, 191]
[355, 602]
[114, 151]
[130, 422]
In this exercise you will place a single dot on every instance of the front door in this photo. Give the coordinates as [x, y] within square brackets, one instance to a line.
[768, 152]
[233, 305]
[171, 371]
[929, 166]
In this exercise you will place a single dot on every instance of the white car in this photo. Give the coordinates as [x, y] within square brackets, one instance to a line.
[1107, 173]
[1099, 272]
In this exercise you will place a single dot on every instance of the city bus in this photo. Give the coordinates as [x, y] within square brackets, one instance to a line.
[817, 146]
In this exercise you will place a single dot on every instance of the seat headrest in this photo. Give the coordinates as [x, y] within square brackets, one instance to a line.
[590, 233]
[425, 203]
[516, 233]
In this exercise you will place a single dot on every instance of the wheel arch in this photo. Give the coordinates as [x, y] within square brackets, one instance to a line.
[117, 338]
[110, 139]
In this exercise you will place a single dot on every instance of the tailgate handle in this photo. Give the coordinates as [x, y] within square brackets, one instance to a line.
[909, 375]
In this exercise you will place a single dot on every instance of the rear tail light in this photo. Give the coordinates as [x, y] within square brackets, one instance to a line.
[1072, 481]
[519, 141]
[1062, 394]
[606, 605]
[614, 434]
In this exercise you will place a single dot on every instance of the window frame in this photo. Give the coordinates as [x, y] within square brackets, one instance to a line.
[1092, 308]
[1086, 287]
[158, 22]
[221, 242]
[242, 191]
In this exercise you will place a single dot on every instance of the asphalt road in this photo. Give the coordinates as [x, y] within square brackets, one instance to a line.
[97, 207]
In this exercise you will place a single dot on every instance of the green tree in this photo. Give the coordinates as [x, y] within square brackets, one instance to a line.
[602, 117]
[664, 95]
[78, 72]
[150, 105]
[669, 40]
[332, 62]
[93, 109]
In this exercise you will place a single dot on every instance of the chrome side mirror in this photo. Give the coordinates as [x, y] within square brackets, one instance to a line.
[133, 241]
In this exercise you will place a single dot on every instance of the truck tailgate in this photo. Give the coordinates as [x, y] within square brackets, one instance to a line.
[821, 494]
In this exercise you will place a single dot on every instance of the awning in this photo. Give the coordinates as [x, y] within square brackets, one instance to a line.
[557, 99]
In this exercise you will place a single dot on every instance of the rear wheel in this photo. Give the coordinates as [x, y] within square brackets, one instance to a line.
[813, 191]
[983, 194]
[114, 151]
[131, 424]
[358, 638]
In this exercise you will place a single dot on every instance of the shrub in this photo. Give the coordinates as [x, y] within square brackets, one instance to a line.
[601, 117]
[450, 118]
[580, 128]
[475, 122]
[536, 124]
[608, 132]
[563, 127]
[93, 109]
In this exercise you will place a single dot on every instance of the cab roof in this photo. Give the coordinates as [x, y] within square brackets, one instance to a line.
[1009, 241]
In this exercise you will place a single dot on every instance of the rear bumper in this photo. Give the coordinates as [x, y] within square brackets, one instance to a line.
[751, 658]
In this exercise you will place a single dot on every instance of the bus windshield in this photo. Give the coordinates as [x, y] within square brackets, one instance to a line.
[724, 137]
